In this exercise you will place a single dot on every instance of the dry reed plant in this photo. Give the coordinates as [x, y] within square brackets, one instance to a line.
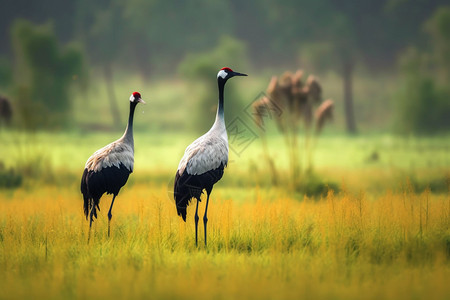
[296, 101]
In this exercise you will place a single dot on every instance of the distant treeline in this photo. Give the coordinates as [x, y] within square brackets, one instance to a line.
[155, 36]
[47, 47]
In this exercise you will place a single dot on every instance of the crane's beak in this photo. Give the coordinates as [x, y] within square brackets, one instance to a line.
[239, 74]
[141, 101]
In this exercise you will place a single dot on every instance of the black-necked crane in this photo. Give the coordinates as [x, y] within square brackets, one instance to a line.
[108, 169]
[204, 160]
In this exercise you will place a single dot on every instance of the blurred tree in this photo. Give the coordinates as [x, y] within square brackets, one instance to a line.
[5, 73]
[100, 25]
[202, 68]
[44, 72]
[423, 98]
[439, 29]
[344, 39]
[422, 104]
[60, 12]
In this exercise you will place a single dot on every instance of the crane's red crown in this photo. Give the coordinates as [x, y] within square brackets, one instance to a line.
[227, 69]
[136, 94]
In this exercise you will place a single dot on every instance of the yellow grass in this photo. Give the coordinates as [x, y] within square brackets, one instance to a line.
[396, 246]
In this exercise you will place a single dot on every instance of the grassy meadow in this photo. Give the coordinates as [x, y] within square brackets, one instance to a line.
[384, 234]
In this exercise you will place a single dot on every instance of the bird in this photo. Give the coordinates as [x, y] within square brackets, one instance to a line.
[108, 169]
[204, 160]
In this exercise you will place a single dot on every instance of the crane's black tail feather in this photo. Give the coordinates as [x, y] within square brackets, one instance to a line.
[89, 201]
[181, 196]
[94, 184]
[188, 186]
[84, 191]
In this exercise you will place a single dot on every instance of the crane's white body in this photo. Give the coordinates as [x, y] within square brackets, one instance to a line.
[114, 154]
[208, 152]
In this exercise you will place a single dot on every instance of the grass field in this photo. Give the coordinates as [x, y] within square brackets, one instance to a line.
[383, 235]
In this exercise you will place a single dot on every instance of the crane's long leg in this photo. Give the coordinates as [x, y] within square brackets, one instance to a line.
[205, 219]
[90, 222]
[110, 214]
[196, 223]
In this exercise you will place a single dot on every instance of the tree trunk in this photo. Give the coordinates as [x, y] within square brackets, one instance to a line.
[348, 96]
[108, 73]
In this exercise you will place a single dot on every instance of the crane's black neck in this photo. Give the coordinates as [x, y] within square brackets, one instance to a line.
[220, 112]
[129, 130]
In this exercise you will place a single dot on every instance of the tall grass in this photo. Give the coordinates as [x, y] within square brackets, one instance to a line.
[342, 246]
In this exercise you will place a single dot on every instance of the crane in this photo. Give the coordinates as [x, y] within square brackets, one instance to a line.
[204, 160]
[108, 169]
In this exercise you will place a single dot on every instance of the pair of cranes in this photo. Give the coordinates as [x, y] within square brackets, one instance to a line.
[202, 165]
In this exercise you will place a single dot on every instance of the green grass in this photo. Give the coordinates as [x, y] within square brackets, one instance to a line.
[340, 159]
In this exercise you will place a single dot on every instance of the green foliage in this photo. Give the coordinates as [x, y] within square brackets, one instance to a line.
[203, 68]
[423, 99]
[9, 177]
[439, 29]
[228, 52]
[313, 185]
[5, 72]
[45, 72]
[422, 104]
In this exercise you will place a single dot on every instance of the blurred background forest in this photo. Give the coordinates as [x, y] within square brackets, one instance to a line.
[67, 70]
[72, 64]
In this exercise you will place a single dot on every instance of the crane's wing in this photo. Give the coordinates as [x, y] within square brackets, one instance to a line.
[203, 155]
[113, 154]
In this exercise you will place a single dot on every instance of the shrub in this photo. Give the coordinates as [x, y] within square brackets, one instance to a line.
[5, 72]
[423, 98]
[45, 71]
[9, 177]
[422, 104]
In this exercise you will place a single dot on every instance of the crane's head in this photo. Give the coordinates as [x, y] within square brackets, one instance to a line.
[136, 98]
[226, 73]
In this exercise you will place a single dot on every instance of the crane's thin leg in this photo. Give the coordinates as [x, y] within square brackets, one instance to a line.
[205, 219]
[110, 215]
[196, 223]
[90, 222]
